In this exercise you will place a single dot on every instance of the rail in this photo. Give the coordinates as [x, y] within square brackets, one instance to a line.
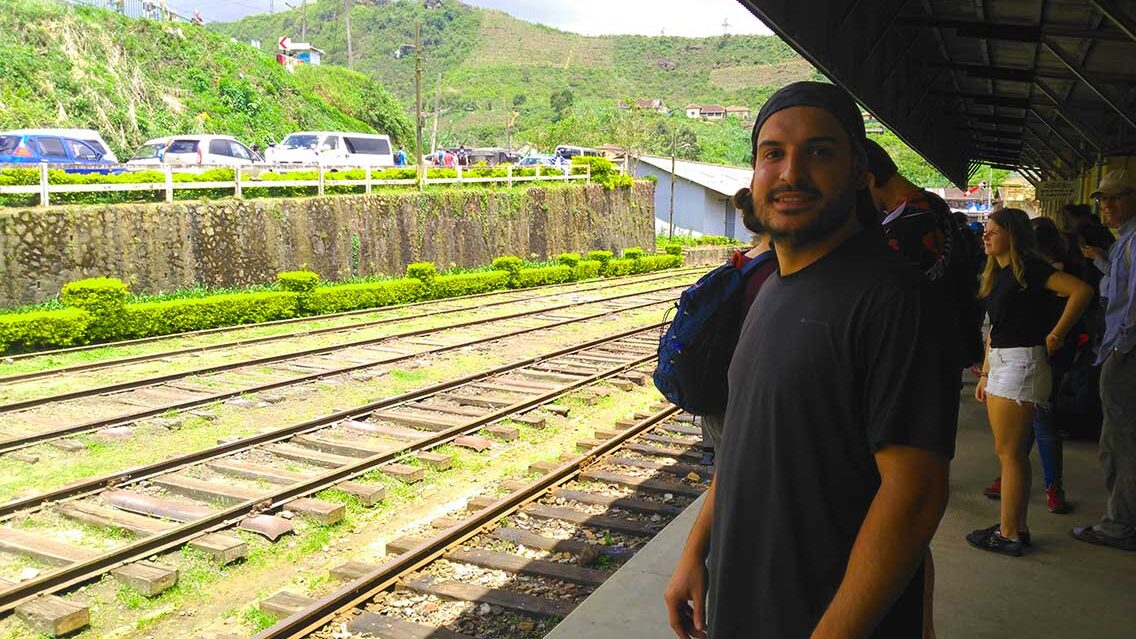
[247, 177]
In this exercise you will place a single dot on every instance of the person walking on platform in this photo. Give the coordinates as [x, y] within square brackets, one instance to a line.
[841, 416]
[712, 424]
[1117, 528]
[1018, 287]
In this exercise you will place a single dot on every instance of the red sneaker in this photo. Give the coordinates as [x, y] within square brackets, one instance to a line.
[1055, 499]
[994, 491]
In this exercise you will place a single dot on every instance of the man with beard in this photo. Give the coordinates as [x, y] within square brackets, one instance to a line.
[841, 418]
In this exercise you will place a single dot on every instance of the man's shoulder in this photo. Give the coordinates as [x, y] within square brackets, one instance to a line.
[872, 263]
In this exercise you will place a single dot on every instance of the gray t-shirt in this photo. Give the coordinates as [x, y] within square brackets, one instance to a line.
[834, 362]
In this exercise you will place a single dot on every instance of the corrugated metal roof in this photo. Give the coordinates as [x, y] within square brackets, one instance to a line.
[716, 177]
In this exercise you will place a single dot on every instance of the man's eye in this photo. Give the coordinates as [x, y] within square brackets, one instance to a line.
[772, 154]
[822, 152]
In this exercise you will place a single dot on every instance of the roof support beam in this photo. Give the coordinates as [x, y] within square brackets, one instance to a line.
[1060, 136]
[992, 73]
[1086, 133]
[989, 100]
[1113, 12]
[1069, 62]
[1017, 32]
[1040, 157]
[1052, 149]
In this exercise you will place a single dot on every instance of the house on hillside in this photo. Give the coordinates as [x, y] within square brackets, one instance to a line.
[737, 111]
[652, 104]
[701, 196]
[713, 111]
[693, 111]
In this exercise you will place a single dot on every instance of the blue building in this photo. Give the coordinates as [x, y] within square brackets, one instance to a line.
[701, 196]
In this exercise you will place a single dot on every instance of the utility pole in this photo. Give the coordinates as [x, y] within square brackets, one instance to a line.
[304, 22]
[347, 26]
[437, 98]
[674, 148]
[272, 6]
[418, 98]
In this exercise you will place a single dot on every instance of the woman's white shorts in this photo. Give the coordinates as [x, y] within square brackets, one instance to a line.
[1021, 374]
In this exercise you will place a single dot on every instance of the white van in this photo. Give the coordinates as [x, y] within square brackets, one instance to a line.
[566, 151]
[332, 148]
[90, 136]
[216, 150]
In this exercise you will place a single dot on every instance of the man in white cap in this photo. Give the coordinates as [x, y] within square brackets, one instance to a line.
[1117, 359]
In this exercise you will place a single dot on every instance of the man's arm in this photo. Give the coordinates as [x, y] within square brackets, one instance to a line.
[686, 593]
[891, 543]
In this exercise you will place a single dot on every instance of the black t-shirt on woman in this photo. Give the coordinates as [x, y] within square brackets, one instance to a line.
[1021, 316]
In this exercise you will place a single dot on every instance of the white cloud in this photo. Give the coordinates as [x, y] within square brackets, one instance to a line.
[691, 18]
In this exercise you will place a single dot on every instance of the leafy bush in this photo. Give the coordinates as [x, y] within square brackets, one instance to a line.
[600, 256]
[349, 297]
[297, 281]
[512, 265]
[568, 259]
[587, 269]
[658, 263]
[425, 271]
[616, 268]
[634, 253]
[43, 329]
[603, 171]
[673, 249]
[544, 276]
[194, 314]
[468, 284]
[105, 299]
[704, 240]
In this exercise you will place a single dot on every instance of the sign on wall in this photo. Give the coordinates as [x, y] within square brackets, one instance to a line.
[1057, 190]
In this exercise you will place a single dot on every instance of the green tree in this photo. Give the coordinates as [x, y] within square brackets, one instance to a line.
[519, 100]
[560, 101]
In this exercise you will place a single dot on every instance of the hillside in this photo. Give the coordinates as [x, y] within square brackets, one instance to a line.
[137, 79]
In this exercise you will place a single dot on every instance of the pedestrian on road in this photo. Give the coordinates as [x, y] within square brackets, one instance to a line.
[1018, 287]
[841, 416]
[1117, 528]
[400, 157]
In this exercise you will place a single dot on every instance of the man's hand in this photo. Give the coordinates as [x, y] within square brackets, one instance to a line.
[687, 587]
[1092, 252]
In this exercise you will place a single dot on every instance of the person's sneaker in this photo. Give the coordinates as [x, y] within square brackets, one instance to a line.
[989, 539]
[707, 457]
[994, 491]
[1055, 499]
[1023, 535]
[1093, 536]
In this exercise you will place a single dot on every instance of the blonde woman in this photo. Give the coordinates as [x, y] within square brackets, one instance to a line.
[1018, 286]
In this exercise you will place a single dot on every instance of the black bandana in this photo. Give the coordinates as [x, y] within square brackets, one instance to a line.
[829, 97]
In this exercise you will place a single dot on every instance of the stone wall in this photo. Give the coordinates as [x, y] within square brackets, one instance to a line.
[163, 247]
[708, 255]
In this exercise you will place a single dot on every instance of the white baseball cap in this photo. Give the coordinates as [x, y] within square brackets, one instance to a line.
[1115, 182]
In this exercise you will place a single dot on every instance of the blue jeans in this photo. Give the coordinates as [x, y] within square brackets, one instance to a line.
[1049, 446]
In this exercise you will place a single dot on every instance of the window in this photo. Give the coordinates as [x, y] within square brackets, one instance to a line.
[300, 142]
[368, 146]
[52, 148]
[182, 146]
[83, 152]
[8, 143]
[220, 147]
[332, 142]
[148, 152]
[239, 150]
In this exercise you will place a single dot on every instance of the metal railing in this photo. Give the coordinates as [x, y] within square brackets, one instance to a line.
[247, 177]
[148, 9]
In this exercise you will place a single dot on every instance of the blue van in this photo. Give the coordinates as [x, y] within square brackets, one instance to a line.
[18, 148]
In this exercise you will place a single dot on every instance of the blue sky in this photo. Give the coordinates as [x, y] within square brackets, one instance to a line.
[590, 17]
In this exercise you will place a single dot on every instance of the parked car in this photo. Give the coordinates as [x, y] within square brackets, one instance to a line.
[150, 153]
[533, 161]
[90, 136]
[215, 150]
[568, 151]
[332, 148]
[33, 149]
[491, 156]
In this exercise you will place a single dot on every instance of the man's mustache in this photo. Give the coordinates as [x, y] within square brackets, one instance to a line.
[791, 188]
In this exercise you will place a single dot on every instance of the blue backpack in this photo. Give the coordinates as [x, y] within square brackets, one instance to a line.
[695, 351]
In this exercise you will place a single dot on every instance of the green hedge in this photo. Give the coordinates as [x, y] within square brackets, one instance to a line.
[425, 271]
[105, 299]
[468, 284]
[587, 269]
[350, 297]
[544, 276]
[297, 281]
[568, 259]
[43, 329]
[195, 314]
[600, 256]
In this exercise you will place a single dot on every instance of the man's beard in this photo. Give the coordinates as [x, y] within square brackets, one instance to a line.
[830, 217]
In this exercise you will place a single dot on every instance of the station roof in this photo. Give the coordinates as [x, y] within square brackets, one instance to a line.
[1045, 87]
[724, 180]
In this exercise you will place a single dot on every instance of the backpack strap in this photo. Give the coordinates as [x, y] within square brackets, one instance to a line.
[749, 267]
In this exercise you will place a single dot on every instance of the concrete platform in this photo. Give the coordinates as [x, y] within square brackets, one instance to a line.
[1064, 589]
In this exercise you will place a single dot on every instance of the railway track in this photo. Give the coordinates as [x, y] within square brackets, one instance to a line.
[513, 565]
[247, 483]
[386, 315]
[126, 402]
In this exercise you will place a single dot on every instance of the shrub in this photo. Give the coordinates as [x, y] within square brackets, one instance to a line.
[468, 284]
[568, 259]
[600, 256]
[634, 253]
[425, 271]
[194, 314]
[673, 249]
[349, 297]
[297, 281]
[512, 265]
[603, 171]
[544, 276]
[43, 329]
[104, 298]
[615, 268]
[658, 263]
[587, 269]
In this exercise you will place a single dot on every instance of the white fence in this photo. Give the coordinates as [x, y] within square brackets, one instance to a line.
[247, 177]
